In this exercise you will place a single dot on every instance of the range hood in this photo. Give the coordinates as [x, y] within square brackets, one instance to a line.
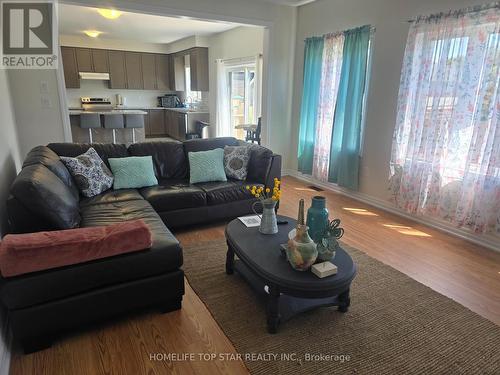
[94, 76]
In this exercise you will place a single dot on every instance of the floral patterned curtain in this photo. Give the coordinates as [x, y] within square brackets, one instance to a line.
[446, 148]
[330, 77]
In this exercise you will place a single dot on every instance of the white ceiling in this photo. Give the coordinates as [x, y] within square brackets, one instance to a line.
[144, 28]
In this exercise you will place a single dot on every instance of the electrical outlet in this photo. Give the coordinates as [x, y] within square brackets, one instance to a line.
[46, 102]
[44, 87]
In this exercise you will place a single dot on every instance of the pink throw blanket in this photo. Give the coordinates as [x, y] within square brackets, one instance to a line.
[31, 252]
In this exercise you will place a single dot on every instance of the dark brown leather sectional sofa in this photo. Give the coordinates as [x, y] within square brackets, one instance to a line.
[44, 197]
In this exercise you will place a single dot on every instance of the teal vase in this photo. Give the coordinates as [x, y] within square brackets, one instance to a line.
[317, 218]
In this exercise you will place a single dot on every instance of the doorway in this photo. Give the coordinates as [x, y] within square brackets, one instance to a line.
[243, 98]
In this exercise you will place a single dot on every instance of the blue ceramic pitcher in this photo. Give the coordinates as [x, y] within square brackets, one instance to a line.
[317, 218]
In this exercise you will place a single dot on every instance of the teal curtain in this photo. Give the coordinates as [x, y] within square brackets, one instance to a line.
[347, 123]
[313, 58]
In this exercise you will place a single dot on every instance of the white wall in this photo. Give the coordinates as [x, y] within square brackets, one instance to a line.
[240, 42]
[186, 43]
[134, 98]
[389, 17]
[38, 122]
[10, 163]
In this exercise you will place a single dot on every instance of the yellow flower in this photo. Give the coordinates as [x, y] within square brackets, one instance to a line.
[268, 190]
[248, 187]
[257, 195]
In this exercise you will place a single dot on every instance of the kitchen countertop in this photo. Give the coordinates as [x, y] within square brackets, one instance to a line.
[73, 112]
[135, 110]
[182, 110]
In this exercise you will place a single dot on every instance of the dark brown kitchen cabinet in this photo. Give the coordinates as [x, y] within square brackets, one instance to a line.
[156, 122]
[70, 68]
[148, 71]
[100, 62]
[169, 123]
[162, 72]
[175, 124]
[198, 64]
[177, 72]
[133, 68]
[92, 60]
[84, 59]
[181, 119]
[117, 72]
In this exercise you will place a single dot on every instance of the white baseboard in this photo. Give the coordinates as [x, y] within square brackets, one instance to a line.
[487, 241]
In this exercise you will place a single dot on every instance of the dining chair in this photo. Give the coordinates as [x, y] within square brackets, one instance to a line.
[254, 135]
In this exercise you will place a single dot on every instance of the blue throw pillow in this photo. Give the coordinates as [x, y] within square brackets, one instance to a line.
[133, 172]
[206, 166]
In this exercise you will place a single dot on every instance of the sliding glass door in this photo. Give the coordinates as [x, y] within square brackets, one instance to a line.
[242, 97]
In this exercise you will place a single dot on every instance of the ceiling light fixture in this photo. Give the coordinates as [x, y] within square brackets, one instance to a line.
[92, 33]
[110, 14]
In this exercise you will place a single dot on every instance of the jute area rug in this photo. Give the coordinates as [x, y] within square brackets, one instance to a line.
[395, 325]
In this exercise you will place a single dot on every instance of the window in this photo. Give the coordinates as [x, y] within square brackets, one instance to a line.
[239, 92]
[242, 95]
[336, 74]
[445, 150]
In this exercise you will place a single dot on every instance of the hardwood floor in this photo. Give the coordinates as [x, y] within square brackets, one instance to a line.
[456, 268]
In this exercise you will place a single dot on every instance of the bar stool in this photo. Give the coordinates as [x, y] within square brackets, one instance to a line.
[113, 121]
[134, 121]
[90, 121]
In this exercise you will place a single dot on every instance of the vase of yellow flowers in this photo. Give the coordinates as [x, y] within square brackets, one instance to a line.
[268, 197]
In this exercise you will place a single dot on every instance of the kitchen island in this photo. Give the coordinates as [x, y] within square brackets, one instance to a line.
[99, 131]
[174, 123]
[159, 123]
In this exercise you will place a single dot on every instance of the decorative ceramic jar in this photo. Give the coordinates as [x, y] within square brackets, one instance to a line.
[317, 218]
[301, 250]
[268, 222]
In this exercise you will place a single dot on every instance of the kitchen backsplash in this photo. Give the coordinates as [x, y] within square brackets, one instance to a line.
[134, 98]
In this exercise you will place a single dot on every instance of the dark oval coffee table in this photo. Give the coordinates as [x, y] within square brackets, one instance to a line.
[263, 264]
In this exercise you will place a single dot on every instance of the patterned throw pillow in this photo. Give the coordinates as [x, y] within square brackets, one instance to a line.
[91, 175]
[236, 160]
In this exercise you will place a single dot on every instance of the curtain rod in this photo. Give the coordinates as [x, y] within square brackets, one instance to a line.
[455, 13]
[372, 30]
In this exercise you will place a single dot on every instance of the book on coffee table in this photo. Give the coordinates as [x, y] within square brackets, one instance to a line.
[250, 221]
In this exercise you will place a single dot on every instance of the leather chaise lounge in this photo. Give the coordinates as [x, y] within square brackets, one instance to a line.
[44, 196]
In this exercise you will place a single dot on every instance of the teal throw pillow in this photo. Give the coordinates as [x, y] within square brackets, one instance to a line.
[206, 166]
[133, 172]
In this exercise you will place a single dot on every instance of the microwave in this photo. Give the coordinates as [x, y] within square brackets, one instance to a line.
[169, 101]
